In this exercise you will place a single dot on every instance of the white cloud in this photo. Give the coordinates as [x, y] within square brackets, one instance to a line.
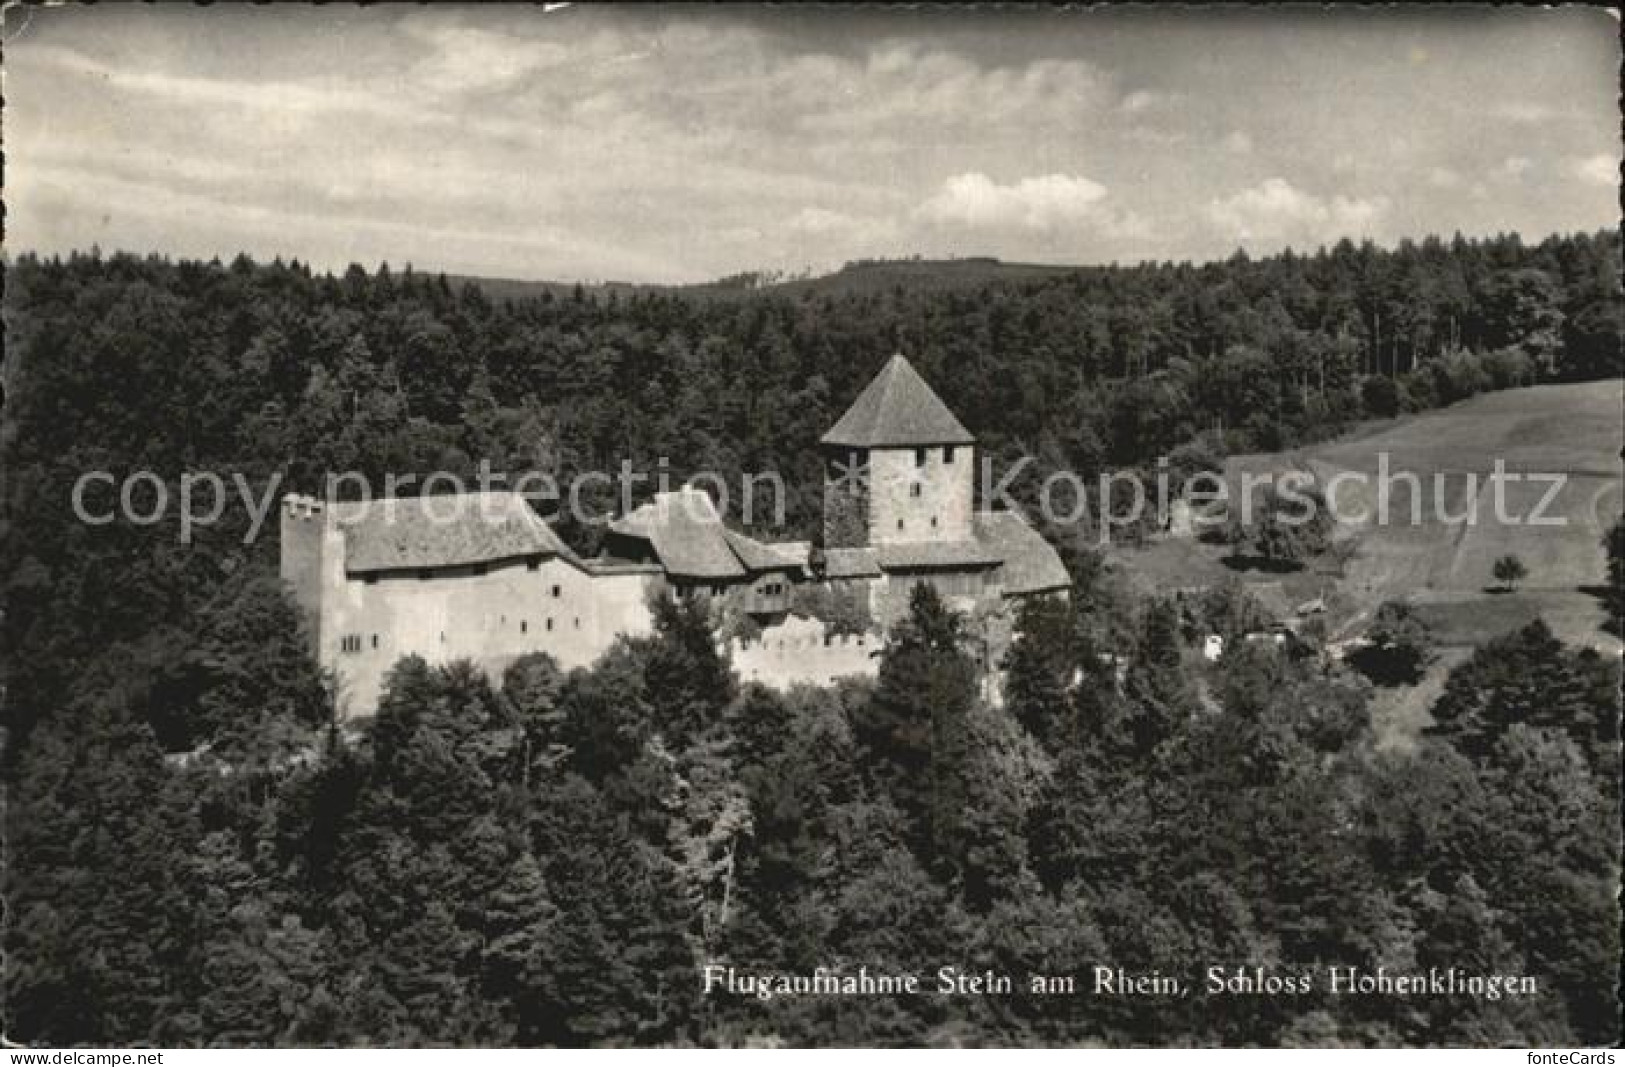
[1141, 101]
[1039, 203]
[1513, 168]
[1601, 169]
[465, 58]
[1443, 178]
[1277, 212]
[1523, 111]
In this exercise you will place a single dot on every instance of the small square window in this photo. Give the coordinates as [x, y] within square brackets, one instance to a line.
[899, 524]
[933, 522]
[914, 489]
[947, 454]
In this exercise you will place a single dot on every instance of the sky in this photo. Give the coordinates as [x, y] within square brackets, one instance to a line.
[679, 144]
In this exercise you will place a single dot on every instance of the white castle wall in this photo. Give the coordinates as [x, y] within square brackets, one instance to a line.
[490, 619]
[361, 628]
[799, 650]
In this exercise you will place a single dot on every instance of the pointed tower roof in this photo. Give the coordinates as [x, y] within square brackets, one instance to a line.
[897, 410]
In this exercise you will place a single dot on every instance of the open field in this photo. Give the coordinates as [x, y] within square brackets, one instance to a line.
[1434, 537]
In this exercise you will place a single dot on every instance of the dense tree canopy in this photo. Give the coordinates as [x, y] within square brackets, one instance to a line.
[197, 855]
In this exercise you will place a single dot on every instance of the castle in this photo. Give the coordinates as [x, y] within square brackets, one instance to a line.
[481, 576]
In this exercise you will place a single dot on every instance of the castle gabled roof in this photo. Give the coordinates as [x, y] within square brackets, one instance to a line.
[685, 532]
[688, 537]
[949, 555]
[757, 556]
[897, 410]
[394, 533]
[1031, 564]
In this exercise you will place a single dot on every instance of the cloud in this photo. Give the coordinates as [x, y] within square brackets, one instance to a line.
[1601, 169]
[1443, 178]
[685, 146]
[1141, 101]
[1522, 111]
[1040, 203]
[1513, 168]
[464, 58]
[1276, 212]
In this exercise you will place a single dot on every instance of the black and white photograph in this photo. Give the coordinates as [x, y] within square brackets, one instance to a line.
[761, 526]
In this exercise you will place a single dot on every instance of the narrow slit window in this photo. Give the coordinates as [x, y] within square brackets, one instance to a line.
[919, 457]
[947, 454]
[524, 627]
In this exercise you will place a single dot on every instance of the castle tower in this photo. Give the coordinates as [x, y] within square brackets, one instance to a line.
[899, 468]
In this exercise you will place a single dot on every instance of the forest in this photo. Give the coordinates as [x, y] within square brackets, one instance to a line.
[197, 854]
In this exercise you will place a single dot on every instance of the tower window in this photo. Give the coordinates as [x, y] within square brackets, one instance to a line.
[947, 454]
[933, 522]
[919, 457]
[578, 622]
[557, 591]
[524, 627]
[374, 640]
[899, 524]
[550, 625]
[914, 490]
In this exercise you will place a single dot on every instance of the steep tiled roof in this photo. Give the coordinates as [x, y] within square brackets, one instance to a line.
[759, 557]
[686, 534]
[897, 410]
[688, 537]
[851, 563]
[442, 531]
[1031, 564]
[967, 554]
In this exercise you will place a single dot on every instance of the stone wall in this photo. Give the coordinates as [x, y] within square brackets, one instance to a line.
[306, 541]
[361, 625]
[962, 591]
[491, 619]
[942, 509]
[799, 650]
